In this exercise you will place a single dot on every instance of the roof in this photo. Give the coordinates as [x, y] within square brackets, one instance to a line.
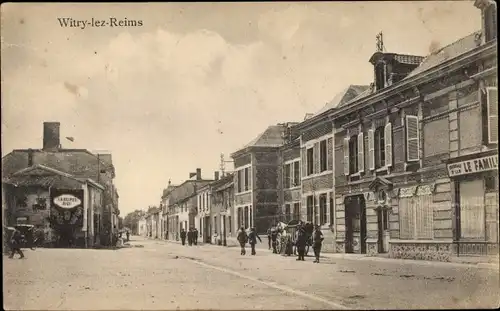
[271, 137]
[222, 183]
[450, 51]
[43, 176]
[343, 97]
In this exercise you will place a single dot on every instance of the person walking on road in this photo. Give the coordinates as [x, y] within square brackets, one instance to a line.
[190, 236]
[128, 236]
[252, 239]
[242, 239]
[15, 244]
[269, 238]
[274, 239]
[183, 236]
[301, 242]
[195, 236]
[317, 241]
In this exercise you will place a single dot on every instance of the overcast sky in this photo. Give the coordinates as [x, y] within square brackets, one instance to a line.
[196, 79]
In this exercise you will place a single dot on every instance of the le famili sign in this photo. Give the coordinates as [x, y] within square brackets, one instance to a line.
[67, 201]
[473, 166]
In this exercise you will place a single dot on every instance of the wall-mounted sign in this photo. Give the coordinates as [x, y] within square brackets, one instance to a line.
[67, 201]
[473, 166]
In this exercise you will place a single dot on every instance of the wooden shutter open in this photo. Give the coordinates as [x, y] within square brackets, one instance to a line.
[412, 139]
[304, 161]
[346, 156]
[361, 153]
[388, 144]
[250, 187]
[371, 149]
[492, 111]
[236, 181]
[316, 158]
[329, 154]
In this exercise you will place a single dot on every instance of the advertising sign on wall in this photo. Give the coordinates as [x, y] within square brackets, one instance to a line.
[473, 166]
[66, 206]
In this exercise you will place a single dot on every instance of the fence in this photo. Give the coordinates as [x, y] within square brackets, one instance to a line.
[476, 248]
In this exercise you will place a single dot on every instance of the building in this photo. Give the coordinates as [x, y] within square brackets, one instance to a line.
[67, 209]
[203, 219]
[256, 168]
[416, 154]
[221, 211]
[165, 202]
[183, 202]
[79, 163]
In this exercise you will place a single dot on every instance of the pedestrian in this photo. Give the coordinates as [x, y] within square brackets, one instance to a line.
[128, 236]
[183, 236]
[269, 237]
[242, 239]
[195, 236]
[301, 242]
[190, 236]
[15, 244]
[317, 241]
[252, 239]
[274, 239]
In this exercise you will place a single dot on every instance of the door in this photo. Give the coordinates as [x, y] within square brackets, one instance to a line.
[224, 227]
[380, 231]
[349, 225]
[362, 226]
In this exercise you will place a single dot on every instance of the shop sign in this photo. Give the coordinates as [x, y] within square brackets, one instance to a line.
[67, 201]
[473, 166]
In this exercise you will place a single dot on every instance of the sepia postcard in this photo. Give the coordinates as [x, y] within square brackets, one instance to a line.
[336, 155]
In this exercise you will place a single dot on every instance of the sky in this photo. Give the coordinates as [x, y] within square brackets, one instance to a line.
[196, 79]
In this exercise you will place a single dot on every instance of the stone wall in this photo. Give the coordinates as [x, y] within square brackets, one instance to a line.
[421, 251]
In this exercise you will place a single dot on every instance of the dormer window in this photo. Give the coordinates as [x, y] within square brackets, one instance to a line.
[380, 76]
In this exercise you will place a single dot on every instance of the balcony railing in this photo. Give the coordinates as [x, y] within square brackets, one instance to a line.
[476, 248]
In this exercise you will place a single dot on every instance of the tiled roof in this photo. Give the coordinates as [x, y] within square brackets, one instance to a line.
[453, 50]
[42, 176]
[271, 137]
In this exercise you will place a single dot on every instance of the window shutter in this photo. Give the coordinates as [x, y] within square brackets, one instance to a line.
[412, 139]
[236, 181]
[388, 144]
[250, 187]
[316, 158]
[361, 152]
[304, 161]
[329, 154]
[346, 156]
[492, 109]
[371, 149]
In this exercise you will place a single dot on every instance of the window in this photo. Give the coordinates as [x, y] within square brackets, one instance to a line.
[239, 221]
[332, 213]
[245, 217]
[287, 212]
[379, 145]
[412, 139]
[230, 224]
[353, 155]
[310, 202]
[250, 216]
[310, 161]
[239, 181]
[287, 178]
[472, 211]
[322, 209]
[296, 173]
[215, 224]
[323, 156]
[416, 217]
[380, 76]
[247, 179]
[296, 211]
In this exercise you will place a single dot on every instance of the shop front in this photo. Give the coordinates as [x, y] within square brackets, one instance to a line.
[475, 184]
[67, 216]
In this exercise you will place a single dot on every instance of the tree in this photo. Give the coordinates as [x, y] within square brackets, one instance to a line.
[131, 220]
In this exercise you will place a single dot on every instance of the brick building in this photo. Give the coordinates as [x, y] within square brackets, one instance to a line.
[256, 168]
[222, 200]
[393, 189]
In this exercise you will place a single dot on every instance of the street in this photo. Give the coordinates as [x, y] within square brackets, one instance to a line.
[161, 275]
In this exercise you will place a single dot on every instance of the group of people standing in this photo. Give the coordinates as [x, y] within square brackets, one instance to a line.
[191, 234]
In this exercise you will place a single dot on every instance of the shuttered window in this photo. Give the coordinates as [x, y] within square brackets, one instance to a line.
[287, 176]
[361, 153]
[310, 161]
[322, 209]
[379, 139]
[303, 158]
[323, 156]
[296, 173]
[371, 149]
[416, 218]
[316, 157]
[412, 139]
[346, 156]
[388, 144]
[353, 154]
[492, 112]
[472, 209]
[330, 154]
[310, 203]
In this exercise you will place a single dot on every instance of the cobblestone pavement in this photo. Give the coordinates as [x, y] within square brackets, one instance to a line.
[164, 275]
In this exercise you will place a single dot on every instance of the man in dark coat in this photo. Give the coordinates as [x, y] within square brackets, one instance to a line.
[190, 236]
[15, 244]
[317, 241]
[195, 236]
[183, 236]
[252, 239]
[242, 239]
[269, 237]
[301, 242]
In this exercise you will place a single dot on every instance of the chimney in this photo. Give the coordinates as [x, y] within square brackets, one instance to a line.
[191, 175]
[51, 139]
[216, 175]
[198, 174]
[30, 157]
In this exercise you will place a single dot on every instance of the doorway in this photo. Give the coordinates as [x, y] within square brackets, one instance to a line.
[355, 224]
[382, 229]
[207, 229]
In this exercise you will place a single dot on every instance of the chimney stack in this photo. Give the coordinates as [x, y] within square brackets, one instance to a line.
[51, 136]
[198, 174]
[216, 175]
